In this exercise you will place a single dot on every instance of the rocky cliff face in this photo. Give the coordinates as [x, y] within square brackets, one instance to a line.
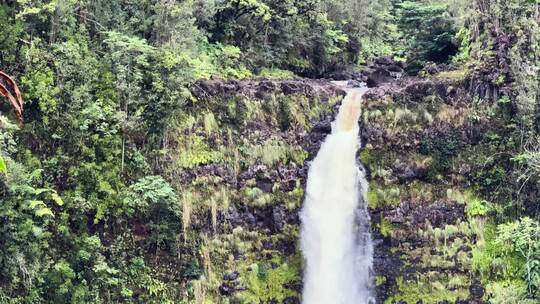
[421, 138]
[243, 151]
[240, 159]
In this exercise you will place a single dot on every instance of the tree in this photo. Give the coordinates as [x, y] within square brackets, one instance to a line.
[428, 32]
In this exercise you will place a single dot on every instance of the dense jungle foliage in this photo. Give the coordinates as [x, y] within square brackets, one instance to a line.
[102, 195]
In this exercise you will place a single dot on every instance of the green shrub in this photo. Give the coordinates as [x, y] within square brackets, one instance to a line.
[510, 258]
[265, 282]
[522, 239]
[507, 292]
[194, 151]
[443, 148]
[153, 200]
[428, 32]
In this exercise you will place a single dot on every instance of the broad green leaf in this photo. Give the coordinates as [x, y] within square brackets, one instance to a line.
[44, 211]
[37, 231]
[3, 168]
[57, 199]
[34, 203]
[41, 190]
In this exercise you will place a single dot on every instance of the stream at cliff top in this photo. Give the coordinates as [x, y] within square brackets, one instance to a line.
[335, 237]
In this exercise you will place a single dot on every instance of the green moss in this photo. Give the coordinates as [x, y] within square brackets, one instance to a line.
[373, 198]
[474, 206]
[256, 197]
[194, 151]
[366, 156]
[234, 111]
[426, 289]
[299, 156]
[442, 148]
[378, 196]
[291, 199]
[508, 254]
[210, 123]
[380, 280]
[385, 227]
[272, 152]
[421, 191]
[508, 292]
[459, 74]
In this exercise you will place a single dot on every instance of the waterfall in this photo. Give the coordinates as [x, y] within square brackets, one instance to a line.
[335, 237]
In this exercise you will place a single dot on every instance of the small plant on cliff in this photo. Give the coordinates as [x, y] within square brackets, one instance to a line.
[266, 282]
[152, 199]
[443, 148]
[194, 151]
[522, 239]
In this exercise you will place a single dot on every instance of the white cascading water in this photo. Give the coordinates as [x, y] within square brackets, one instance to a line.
[335, 237]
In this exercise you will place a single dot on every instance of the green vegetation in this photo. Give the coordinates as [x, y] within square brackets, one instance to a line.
[427, 290]
[130, 181]
[428, 31]
[470, 152]
[508, 261]
[265, 282]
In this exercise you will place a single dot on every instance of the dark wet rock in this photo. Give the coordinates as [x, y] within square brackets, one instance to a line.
[431, 69]
[233, 217]
[406, 172]
[382, 70]
[324, 126]
[355, 84]
[226, 289]
[285, 247]
[265, 184]
[438, 213]
[294, 286]
[386, 61]
[395, 68]
[378, 76]
[386, 264]
[278, 217]
[315, 138]
[291, 300]
[291, 87]
[267, 86]
[450, 91]
[288, 185]
[231, 276]
[344, 74]
[414, 89]
[476, 291]
[222, 171]
[250, 220]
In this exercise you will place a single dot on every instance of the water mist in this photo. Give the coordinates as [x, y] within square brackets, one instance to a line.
[335, 237]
